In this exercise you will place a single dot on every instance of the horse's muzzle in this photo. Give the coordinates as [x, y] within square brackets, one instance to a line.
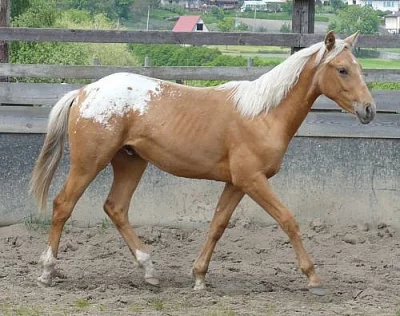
[365, 112]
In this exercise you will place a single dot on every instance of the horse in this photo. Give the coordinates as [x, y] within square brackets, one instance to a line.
[236, 132]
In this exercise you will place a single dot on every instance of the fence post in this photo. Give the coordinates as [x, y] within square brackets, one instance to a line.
[147, 61]
[4, 22]
[95, 62]
[250, 62]
[303, 18]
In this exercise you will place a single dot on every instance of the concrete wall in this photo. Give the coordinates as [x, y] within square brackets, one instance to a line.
[341, 180]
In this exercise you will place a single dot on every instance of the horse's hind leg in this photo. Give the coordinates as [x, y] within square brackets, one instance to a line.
[79, 178]
[228, 201]
[127, 173]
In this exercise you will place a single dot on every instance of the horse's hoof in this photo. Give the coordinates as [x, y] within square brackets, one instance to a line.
[43, 282]
[152, 281]
[199, 286]
[317, 290]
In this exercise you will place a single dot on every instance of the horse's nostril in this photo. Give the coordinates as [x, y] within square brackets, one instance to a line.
[368, 109]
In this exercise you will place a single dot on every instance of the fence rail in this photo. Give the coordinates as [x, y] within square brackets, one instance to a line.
[167, 73]
[192, 38]
[325, 120]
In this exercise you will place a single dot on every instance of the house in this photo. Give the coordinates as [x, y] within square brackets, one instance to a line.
[190, 23]
[393, 5]
[223, 4]
[187, 4]
[392, 23]
[261, 5]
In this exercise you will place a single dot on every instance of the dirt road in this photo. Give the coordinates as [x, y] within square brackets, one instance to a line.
[253, 272]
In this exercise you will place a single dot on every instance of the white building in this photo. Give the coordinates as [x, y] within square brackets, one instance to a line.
[260, 5]
[392, 23]
[393, 5]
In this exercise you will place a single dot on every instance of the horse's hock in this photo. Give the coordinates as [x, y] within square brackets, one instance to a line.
[340, 180]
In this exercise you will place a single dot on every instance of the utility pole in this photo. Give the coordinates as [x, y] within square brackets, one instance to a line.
[148, 18]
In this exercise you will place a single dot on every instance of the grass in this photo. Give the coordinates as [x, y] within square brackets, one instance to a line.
[42, 223]
[384, 86]
[136, 308]
[156, 304]
[105, 224]
[8, 310]
[373, 63]
[82, 303]
[37, 222]
[223, 313]
[251, 49]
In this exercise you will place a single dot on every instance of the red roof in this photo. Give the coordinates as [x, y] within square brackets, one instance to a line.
[186, 23]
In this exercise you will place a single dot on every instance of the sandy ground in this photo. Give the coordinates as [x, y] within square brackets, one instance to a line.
[253, 272]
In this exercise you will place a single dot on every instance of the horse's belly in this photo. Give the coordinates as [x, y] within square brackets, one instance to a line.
[189, 163]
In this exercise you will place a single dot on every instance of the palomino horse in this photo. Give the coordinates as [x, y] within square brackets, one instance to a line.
[237, 133]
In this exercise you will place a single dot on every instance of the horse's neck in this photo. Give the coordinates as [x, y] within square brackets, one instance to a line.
[296, 105]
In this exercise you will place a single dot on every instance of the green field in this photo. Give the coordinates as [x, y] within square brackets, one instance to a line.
[372, 63]
[230, 49]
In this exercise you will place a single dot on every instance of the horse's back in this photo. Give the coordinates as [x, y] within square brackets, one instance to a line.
[178, 128]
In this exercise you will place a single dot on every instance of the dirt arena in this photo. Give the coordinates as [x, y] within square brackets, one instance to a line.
[253, 272]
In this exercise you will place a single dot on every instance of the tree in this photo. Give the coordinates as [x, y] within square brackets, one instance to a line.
[18, 7]
[112, 9]
[287, 7]
[39, 14]
[217, 12]
[45, 13]
[356, 18]
[241, 27]
[337, 5]
[226, 24]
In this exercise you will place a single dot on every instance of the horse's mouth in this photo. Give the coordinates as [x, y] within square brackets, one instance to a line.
[365, 113]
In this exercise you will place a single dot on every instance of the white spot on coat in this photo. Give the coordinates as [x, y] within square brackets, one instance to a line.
[116, 95]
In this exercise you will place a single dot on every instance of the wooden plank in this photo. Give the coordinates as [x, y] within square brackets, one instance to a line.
[167, 73]
[386, 101]
[195, 38]
[19, 119]
[33, 93]
[347, 125]
[48, 94]
[23, 119]
[365, 40]
[382, 75]
[147, 37]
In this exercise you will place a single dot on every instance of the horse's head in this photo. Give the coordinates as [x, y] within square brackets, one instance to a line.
[341, 80]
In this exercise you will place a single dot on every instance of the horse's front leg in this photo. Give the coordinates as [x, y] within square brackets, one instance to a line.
[228, 201]
[259, 189]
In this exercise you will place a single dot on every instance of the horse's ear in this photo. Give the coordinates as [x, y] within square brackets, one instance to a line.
[330, 40]
[352, 39]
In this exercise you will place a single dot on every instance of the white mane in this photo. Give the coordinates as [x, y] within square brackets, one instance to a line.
[266, 92]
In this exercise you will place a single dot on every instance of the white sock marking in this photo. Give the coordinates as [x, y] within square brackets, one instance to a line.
[144, 260]
[48, 262]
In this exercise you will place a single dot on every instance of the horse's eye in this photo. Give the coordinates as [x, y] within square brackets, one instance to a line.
[343, 71]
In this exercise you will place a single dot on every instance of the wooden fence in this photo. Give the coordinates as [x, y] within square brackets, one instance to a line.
[325, 120]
